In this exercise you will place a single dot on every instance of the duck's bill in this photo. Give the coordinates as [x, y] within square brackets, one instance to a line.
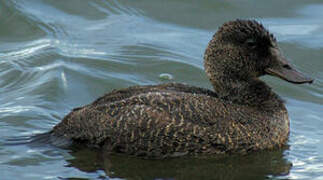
[289, 74]
[284, 70]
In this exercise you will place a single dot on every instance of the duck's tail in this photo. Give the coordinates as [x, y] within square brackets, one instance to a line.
[39, 140]
[50, 138]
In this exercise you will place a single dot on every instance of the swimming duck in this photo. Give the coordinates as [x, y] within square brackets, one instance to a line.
[242, 114]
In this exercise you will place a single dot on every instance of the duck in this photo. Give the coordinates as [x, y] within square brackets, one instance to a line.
[242, 114]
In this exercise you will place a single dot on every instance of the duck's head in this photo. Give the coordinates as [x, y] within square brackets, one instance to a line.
[242, 51]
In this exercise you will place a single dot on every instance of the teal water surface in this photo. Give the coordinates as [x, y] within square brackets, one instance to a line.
[58, 55]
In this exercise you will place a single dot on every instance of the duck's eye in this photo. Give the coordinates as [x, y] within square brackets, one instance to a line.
[251, 43]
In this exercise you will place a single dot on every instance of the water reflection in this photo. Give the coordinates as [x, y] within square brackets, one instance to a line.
[260, 165]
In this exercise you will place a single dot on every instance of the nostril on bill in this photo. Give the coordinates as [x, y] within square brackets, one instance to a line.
[286, 66]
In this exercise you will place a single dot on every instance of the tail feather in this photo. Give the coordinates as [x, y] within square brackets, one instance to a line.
[40, 140]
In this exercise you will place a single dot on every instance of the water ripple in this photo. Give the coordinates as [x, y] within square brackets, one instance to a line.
[30, 49]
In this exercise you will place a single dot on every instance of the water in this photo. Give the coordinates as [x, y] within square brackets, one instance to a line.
[57, 55]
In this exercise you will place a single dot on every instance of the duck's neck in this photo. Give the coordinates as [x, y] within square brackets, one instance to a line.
[252, 93]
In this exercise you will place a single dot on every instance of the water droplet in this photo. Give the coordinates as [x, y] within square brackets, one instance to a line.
[165, 76]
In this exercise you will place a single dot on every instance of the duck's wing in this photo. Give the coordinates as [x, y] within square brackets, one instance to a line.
[117, 95]
[154, 122]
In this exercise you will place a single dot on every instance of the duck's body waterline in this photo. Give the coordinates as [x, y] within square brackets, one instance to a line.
[241, 115]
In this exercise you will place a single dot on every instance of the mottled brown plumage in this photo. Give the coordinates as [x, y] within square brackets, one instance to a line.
[242, 114]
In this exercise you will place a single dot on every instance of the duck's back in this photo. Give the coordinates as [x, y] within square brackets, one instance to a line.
[170, 120]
